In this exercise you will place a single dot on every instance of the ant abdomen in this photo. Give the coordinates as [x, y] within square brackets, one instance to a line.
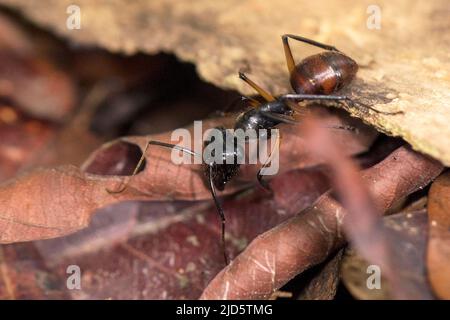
[323, 73]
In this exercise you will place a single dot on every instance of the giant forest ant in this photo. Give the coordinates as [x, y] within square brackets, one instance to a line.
[317, 77]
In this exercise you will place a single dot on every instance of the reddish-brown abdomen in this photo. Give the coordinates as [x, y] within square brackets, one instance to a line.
[323, 73]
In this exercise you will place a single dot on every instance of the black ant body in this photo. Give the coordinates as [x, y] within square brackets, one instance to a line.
[317, 77]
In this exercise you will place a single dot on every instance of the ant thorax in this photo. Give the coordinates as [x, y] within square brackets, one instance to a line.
[258, 119]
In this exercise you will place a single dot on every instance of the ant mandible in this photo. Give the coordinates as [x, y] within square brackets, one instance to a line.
[317, 77]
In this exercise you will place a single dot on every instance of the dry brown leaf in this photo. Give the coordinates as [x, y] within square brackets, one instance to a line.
[404, 65]
[438, 254]
[36, 86]
[323, 286]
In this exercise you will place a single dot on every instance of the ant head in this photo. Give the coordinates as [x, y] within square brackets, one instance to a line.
[221, 173]
[221, 156]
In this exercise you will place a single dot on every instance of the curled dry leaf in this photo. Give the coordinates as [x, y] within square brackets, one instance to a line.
[307, 239]
[35, 205]
[438, 254]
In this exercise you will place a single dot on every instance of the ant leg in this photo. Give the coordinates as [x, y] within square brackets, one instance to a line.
[266, 95]
[295, 96]
[286, 119]
[220, 211]
[309, 41]
[288, 53]
[141, 160]
[260, 175]
[299, 97]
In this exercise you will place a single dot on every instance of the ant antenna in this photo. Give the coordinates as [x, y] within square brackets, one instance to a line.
[263, 93]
